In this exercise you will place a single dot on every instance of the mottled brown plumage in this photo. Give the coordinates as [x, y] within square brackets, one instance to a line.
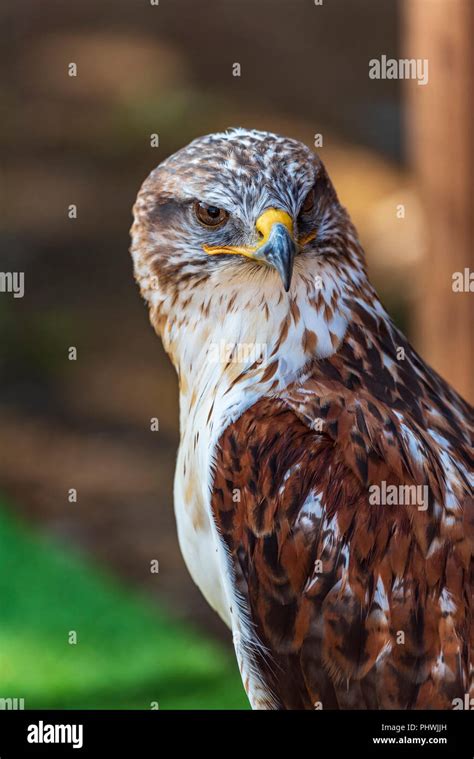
[333, 633]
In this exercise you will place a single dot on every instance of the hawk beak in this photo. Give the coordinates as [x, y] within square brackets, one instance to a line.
[277, 246]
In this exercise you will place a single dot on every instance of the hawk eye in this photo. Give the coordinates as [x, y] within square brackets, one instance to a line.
[210, 216]
[308, 202]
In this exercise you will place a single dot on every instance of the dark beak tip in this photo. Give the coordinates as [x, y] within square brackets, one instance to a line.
[280, 254]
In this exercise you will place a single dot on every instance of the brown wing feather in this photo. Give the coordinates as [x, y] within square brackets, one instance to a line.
[347, 596]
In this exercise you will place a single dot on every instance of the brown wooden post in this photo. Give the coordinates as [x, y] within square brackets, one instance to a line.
[440, 124]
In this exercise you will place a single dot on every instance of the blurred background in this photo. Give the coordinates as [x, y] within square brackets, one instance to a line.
[146, 638]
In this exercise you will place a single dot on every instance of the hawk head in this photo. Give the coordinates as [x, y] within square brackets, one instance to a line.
[237, 217]
[243, 204]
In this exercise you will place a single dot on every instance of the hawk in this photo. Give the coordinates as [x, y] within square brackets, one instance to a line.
[323, 487]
